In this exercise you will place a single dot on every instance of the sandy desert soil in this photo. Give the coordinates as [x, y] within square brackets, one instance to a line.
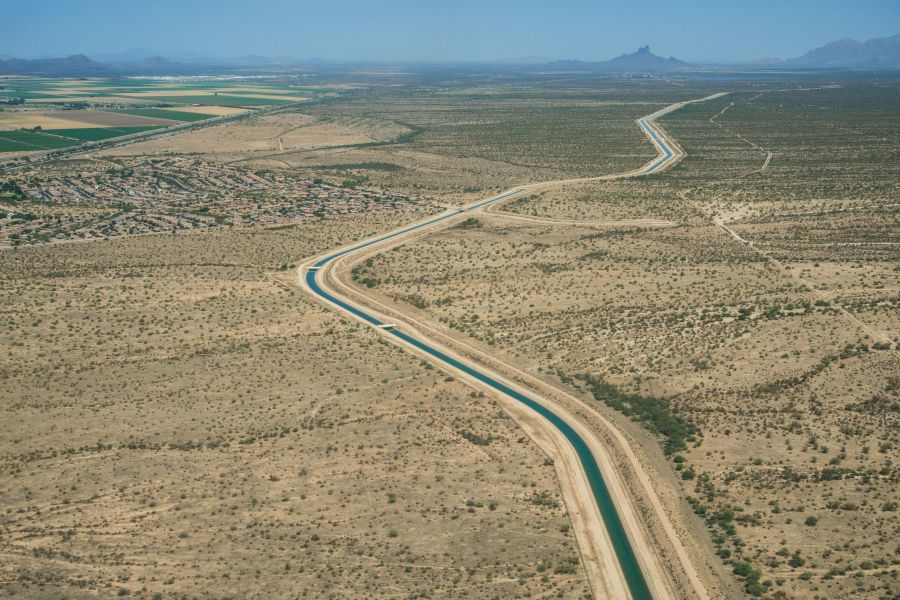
[185, 424]
[258, 137]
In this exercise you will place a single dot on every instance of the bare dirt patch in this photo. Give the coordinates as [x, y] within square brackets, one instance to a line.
[255, 137]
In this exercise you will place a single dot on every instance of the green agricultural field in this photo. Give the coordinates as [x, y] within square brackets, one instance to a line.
[21, 141]
[310, 90]
[22, 93]
[94, 134]
[117, 83]
[195, 85]
[10, 146]
[159, 113]
[219, 100]
[288, 95]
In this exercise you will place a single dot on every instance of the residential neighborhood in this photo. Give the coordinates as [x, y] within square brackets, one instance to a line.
[89, 199]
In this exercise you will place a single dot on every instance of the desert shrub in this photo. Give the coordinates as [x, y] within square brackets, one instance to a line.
[653, 413]
[470, 223]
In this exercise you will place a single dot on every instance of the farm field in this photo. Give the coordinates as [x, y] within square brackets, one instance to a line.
[19, 141]
[36, 131]
[31, 119]
[136, 88]
[161, 113]
[216, 100]
[90, 134]
[218, 111]
[53, 139]
[125, 103]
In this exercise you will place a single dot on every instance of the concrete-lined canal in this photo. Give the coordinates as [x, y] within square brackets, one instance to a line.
[625, 554]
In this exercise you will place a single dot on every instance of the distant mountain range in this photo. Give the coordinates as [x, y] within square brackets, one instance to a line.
[77, 64]
[878, 53]
[132, 63]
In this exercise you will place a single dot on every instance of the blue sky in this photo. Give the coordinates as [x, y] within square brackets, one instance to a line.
[423, 30]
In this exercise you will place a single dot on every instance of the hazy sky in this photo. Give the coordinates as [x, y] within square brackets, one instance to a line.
[422, 30]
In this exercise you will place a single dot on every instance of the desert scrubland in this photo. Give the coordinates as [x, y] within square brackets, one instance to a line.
[179, 420]
[757, 334]
[180, 423]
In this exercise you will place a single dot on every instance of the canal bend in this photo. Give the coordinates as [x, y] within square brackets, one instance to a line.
[625, 555]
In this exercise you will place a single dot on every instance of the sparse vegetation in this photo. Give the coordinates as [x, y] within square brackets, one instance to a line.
[170, 394]
[778, 403]
[654, 413]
